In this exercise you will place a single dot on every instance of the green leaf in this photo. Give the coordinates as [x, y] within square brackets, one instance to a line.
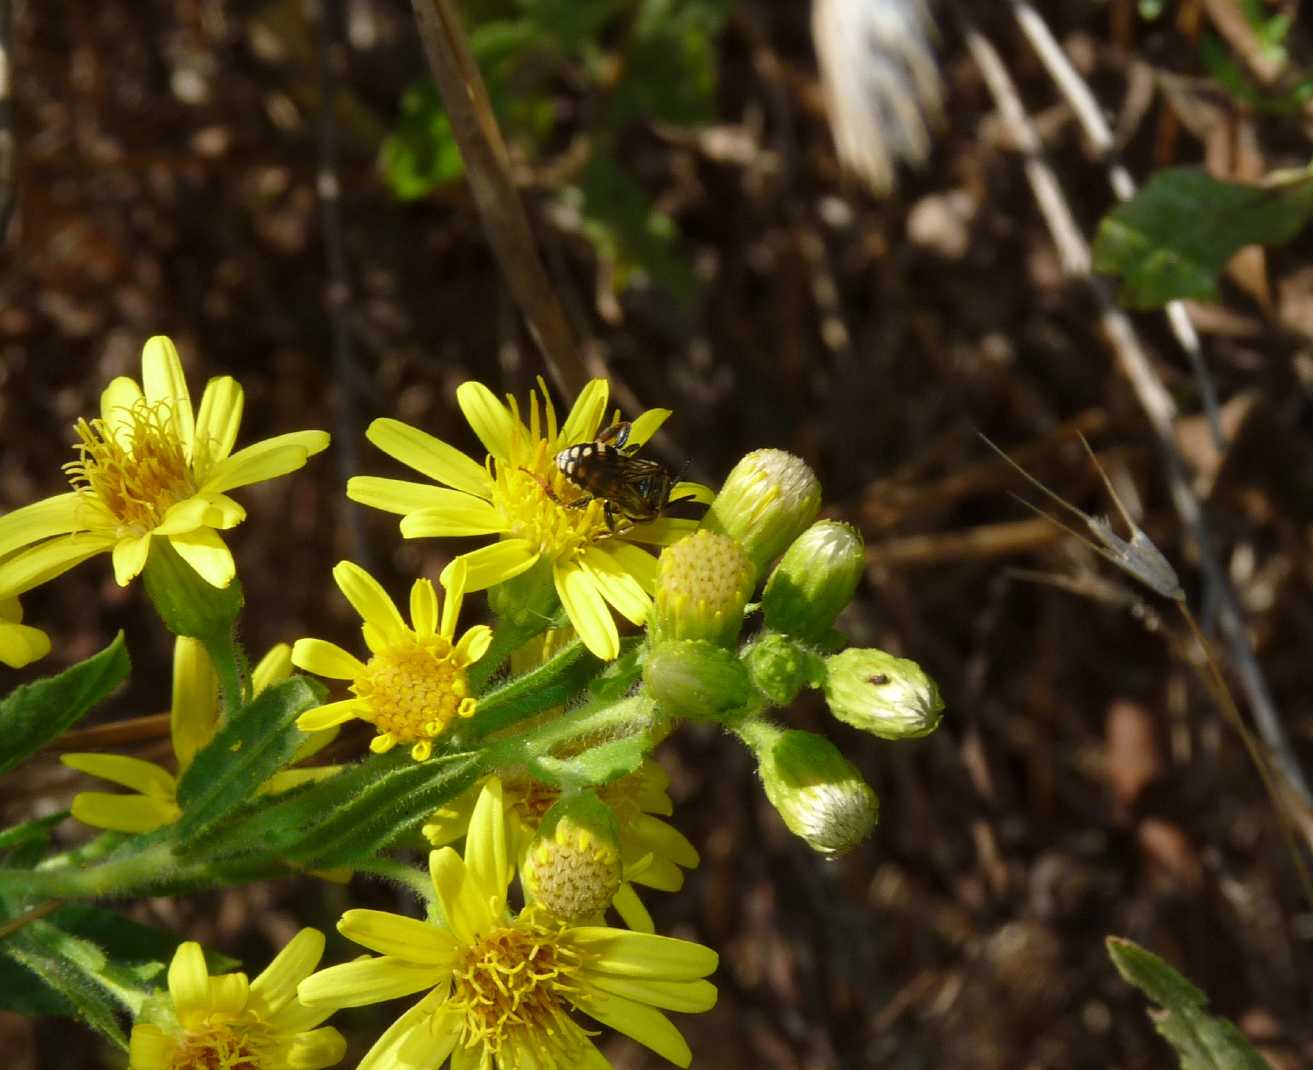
[553, 683]
[596, 765]
[30, 832]
[1173, 238]
[244, 753]
[64, 975]
[128, 942]
[1202, 1041]
[37, 713]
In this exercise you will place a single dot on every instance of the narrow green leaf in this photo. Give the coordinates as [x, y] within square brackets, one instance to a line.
[244, 753]
[554, 682]
[68, 973]
[142, 947]
[596, 765]
[1173, 238]
[37, 713]
[1202, 1041]
[28, 832]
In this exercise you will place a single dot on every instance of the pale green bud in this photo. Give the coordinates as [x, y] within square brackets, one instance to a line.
[887, 696]
[767, 501]
[703, 583]
[780, 667]
[814, 580]
[696, 679]
[820, 794]
[573, 866]
[186, 603]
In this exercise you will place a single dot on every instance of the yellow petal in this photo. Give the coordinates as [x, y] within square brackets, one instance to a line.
[587, 610]
[34, 566]
[404, 497]
[116, 404]
[662, 531]
[217, 424]
[430, 456]
[688, 997]
[135, 773]
[21, 644]
[585, 415]
[628, 954]
[473, 644]
[123, 813]
[616, 585]
[207, 553]
[406, 939]
[489, 418]
[357, 984]
[189, 981]
[493, 564]
[638, 562]
[316, 1049]
[329, 714]
[472, 517]
[184, 516]
[423, 607]
[467, 911]
[631, 909]
[646, 425]
[456, 579]
[265, 460]
[649, 1027]
[130, 558]
[194, 711]
[420, 1039]
[163, 381]
[326, 659]
[150, 1048]
[228, 993]
[275, 987]
[224, 512]
[692, 492]
[666, 840]
[487, 862]
[368, 598]
[273, 668]
[40, 520]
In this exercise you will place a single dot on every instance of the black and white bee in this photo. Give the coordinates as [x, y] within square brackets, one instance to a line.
[632, 490]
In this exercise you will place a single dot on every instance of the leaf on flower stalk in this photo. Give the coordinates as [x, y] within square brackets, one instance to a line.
[1202, 1041]
[30, 833]
[596, 765]
[37, 713]
[245, 752]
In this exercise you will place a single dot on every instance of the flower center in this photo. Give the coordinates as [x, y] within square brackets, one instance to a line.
[137, 472]
[545, 508]
[416, 691]
[217, 1045]
[513, 989]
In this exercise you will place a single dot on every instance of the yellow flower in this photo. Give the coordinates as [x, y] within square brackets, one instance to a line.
[193, 720]
[651, 850]
[415, 683]
[149, 466]
[20, 644]
[519, 495]
[229, 1023]
[500, 987]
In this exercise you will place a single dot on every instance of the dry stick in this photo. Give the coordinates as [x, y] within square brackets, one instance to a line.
[1153, 397]
[328, 188]
[488, 167]
[1090, 116]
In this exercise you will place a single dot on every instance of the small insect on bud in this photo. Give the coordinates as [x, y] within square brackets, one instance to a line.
[780, 667]
[703, 583]
[695, 679]
[820, 794]
[767, 501]
[887, 696]
[573, 866]
[814, 580]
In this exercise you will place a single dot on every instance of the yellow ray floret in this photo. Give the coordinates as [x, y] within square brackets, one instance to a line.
[149, 466]
[519, 495]
[414, 684]
[500, 990]
[20, 644]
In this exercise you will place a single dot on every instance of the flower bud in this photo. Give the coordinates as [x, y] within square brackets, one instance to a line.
[820, 794]
[693, 678]
[767, 501]
[814, 580]
[887, 696]
[780, 667]
[573, 866]
[186, 603]
[703, 583]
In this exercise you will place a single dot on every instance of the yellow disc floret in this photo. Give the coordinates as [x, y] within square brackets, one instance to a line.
[413, 693]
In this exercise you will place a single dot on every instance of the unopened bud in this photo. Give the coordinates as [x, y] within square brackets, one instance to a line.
[767, 501]
[814, 580]
[820, 794]
[573, 866]
[887, 696]
[780, 667]
[695, 679]
[703, 583]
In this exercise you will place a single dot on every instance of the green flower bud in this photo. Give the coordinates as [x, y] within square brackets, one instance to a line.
[573, 866]
[186, 603]
[703, 583]
[887, 696]
[820, 794]
[767, 501]
[696, 679]
[814, 580]
[780, 667]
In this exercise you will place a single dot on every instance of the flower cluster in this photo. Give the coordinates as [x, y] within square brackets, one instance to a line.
[526, 746]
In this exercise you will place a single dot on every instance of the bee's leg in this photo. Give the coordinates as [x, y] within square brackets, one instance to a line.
[617, 432]
[542, 483]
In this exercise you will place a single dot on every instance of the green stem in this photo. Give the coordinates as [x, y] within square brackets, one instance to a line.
[507, 637]
[231, 666]
[148, 869]
[414, 880]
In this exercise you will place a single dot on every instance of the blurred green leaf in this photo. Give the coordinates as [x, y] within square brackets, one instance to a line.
[37, 713]
[1173, 238]
[1202, 1041]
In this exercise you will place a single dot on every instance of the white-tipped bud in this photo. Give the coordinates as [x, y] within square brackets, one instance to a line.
[887, 696]
[814, 580]
[820, 794]
[767, 501]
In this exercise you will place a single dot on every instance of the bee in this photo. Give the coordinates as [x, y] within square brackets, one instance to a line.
[632, 490]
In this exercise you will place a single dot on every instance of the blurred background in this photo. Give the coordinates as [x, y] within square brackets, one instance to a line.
[714, 257]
